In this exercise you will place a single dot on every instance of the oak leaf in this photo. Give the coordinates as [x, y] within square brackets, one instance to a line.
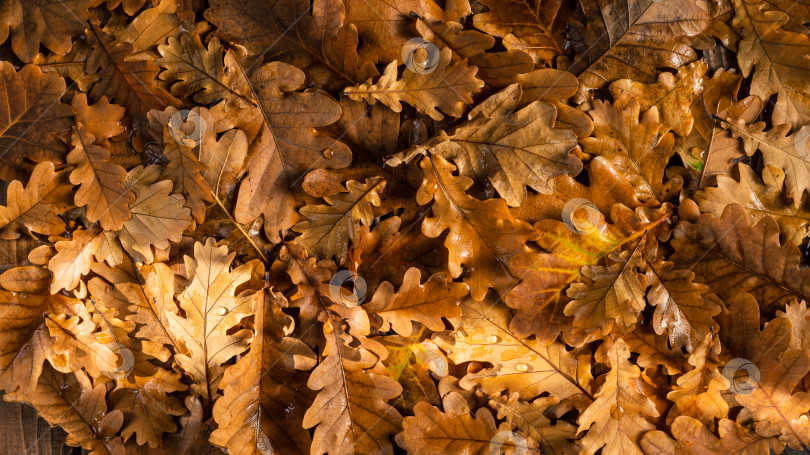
[483, 235]
[198, 72]
[764, 51]
[618, 417]
[631, 40]
[51, 23]
[315, 35]
[761, 198]
[264, 393]
[34, 117]
[693, 438]
[73, 258]
[350, 413]
[671, 94]
[212, 308]
[72, 402]
[448, 88]
[328, 228]
[523, 25]
[733, 257]
[455, 430]
[522, 366]
[513, 149]
[425, 303]
[37, 207]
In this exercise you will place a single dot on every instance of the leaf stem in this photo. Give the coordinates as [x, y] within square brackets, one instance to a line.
[241, 229]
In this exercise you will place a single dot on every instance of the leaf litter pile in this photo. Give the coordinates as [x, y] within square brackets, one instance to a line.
[423, 227]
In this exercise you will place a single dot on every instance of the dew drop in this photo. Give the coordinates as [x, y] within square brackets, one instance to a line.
[522, 367]
[492, 339]
[222, 311]
[328, 153]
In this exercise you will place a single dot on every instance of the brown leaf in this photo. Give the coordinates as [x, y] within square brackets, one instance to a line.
[212, 308]
[73, 258]
[513, 149]
[264, 393]
[634, 146]
[693, 438]
[764, 51]
[633, 39]
[523, 25]
[733, 257]
[672, 95]
[350, 413]
[70, 401]
[130, 83]
[449, 88]
[315, 35]
[760, 198]
[425, 303]
[51, 23]
[37, 207]
[100, 182]
[198, 72]
[617, 419]
[158, 216]
[34, 116]
[483, 235]
[328, 228]
[455, 430]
